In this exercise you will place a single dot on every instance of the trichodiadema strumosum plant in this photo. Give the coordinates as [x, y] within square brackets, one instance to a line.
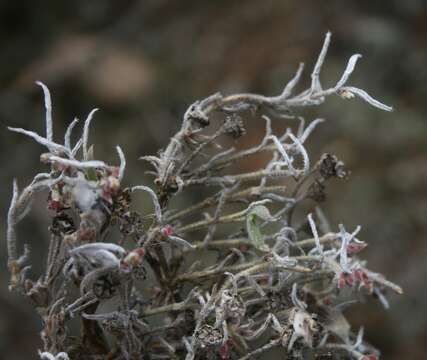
[231, 276]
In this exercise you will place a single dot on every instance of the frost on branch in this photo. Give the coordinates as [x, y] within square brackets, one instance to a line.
[229, 277]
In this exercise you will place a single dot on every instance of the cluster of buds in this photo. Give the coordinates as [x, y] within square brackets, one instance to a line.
[355, 277]
[166, 230]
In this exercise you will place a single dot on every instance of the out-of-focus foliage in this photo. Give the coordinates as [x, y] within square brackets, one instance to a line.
[143, 63]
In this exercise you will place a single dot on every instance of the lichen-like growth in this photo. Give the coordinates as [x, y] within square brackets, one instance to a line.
[273, 284]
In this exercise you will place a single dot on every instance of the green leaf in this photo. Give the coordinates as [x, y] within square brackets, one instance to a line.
[253, 225]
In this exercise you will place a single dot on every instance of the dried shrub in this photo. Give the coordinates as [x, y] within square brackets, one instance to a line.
[273, 284]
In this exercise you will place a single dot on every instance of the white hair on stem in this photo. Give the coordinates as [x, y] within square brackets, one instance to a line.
[365, 96]
[48, 106]
[77, 164]
[348, 70]
[315, 81]
[67, 136]
[86, 133]
[293, 82]
[319, 247]
[41, 140]
[122, 162]
[303, 152]
[309, 129]
[11, 222]
[282, 152]
[153, 195]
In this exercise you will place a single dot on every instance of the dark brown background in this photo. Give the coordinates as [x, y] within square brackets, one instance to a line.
[144, 62]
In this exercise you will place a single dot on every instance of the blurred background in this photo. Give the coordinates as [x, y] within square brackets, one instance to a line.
[143, 62]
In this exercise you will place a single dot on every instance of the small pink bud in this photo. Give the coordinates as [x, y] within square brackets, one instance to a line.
[54, 205]
[354, 248]
[167, 230]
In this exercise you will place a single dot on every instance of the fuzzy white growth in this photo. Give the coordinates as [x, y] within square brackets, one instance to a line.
[284, 261]
[189, 348]
[348, 71]
[24, 201]
[48, 106]
[84, 195]
[359, 339]
[104, 258]
[94, 247]
[381, 297]
[254, 205]
[304, 327]
[303, 152]
[316, 95]
[309, 129]
[20, 206]
[346, 238]
[77, 164]
[11, 222]
[319, 247]
[41, 140]
[293, 82]
[343, 250]
[283, 152]
[365, 96]
[122, 162]
[76, 148]
[67, 136]
[315, 81]
[275, 323]
[103, 254]
[179, 241]
[156, 203]
[86, 133]
[294, 297]
[48, 356]
[39, 177]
